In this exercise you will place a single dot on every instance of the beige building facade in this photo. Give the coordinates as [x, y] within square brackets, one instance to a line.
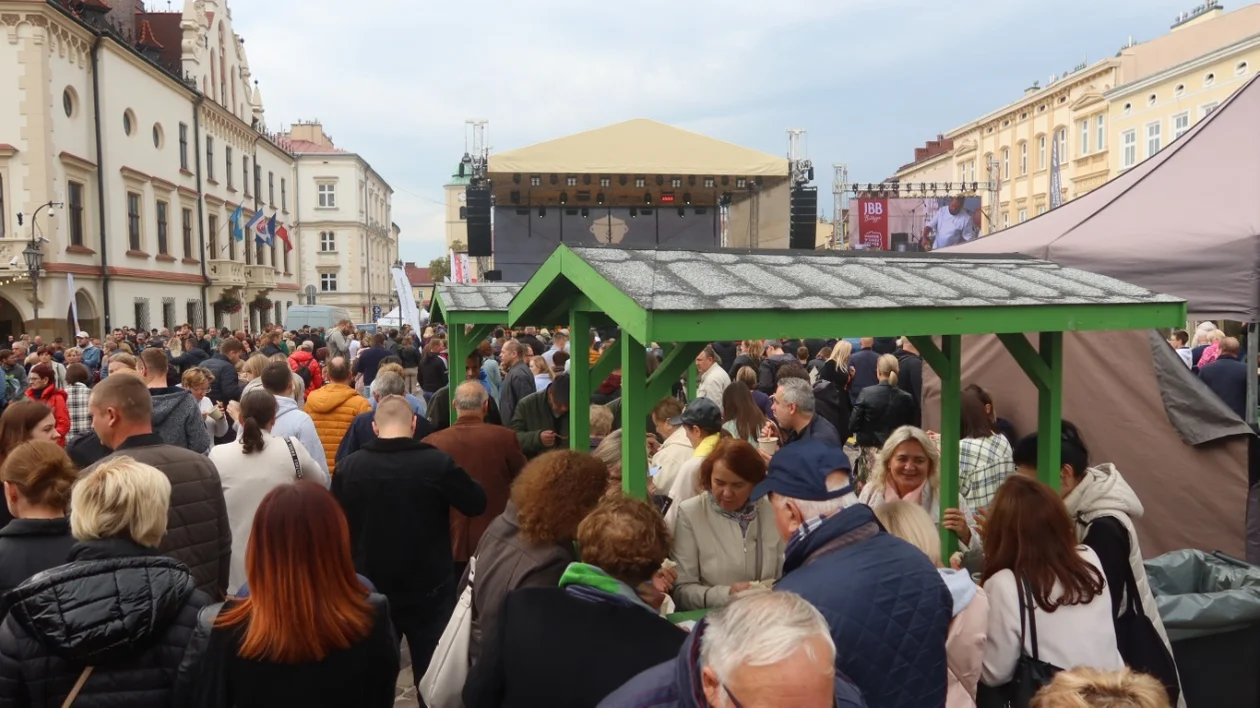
[1106, 116]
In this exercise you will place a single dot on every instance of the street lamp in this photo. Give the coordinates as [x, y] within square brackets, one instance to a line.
[35, 257]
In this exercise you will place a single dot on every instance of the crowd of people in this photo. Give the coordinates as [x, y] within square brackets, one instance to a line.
[210, 519]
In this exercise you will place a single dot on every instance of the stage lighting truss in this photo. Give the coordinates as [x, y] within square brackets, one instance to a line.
[893, 190]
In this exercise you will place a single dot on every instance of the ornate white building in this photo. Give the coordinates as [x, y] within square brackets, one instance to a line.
[149, 130]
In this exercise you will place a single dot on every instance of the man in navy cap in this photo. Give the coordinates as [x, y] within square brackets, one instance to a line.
[888, 609]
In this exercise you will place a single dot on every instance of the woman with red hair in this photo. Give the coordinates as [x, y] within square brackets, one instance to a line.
[43, 388]
[309, 633]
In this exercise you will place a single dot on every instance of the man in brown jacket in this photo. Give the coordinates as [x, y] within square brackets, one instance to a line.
[334, 406]
[197, 530]
[490, 454]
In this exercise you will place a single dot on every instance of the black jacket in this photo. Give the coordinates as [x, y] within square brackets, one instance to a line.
[432, 373]
[768, 374]
[552, 648]
[910, 380]
[226, 385]
[28, 546]
[740, 362]
[865, 366]
[116, 607]
[193, 357]
[86, 450]
[1227, 377]
[398, 494]
[880, 410]
[534, 343]
[271, 350]
[362, 675]
[361, 433]
[726, 353]
[410, 357]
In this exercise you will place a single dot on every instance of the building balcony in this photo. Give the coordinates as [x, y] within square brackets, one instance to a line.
[261, 277]
[229, 274]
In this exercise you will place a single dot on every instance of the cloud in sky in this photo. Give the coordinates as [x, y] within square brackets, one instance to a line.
[395, 80]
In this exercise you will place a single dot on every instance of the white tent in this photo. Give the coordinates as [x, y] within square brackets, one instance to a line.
[393, 319]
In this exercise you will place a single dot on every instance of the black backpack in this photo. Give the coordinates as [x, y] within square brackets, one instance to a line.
[304, 372]
[832, 405]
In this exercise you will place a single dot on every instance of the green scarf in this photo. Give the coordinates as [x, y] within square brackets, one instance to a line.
[589, 576]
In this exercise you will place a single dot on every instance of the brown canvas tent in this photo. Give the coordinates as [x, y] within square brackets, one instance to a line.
[1185, 222]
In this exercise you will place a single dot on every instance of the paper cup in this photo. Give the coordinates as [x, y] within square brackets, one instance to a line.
[768, 445]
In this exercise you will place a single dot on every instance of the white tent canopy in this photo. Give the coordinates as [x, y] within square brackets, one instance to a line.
[393, 319]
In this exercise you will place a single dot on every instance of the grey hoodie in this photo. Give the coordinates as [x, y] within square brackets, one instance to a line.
[177, 418]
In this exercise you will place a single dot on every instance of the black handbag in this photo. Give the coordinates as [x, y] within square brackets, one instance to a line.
[1140, 644]
[1031, 673]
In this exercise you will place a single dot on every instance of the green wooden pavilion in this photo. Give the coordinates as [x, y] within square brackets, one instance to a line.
[470, 312]
[684, 300]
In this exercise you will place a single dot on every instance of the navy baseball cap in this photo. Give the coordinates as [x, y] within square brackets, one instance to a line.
[701, 412]
[800, 471]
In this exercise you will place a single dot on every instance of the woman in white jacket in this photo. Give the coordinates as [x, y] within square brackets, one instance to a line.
[252, 466]
[1031, 552]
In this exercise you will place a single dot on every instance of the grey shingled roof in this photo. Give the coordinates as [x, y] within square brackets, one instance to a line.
[477, 297]
[725, 280]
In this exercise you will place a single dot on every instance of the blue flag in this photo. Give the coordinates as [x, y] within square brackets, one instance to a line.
[237, 233]
[271, 230]
[249, 225]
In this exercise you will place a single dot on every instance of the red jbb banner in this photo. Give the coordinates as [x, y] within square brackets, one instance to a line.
[873, 224]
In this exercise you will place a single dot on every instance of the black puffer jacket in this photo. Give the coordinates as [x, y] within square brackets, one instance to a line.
[433, 373]
[880, 410]
[115, 607]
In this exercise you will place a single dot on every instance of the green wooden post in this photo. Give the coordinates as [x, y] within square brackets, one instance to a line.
[607, 363]
[951, 428]
[458, 348]
[679, 358]
[692, 382]
[1050, 411]
[633, 418]
[579, 383]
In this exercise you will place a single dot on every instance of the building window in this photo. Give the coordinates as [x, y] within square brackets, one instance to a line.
[271, 189]
[327, 195]
[328, 282]
[183, 146]
[1023, 158]
[67, 102]
[1128, 140]
[245, 175]
[185, 225]
[640, 183]
[1006, 219]
[168, 312]
[1041, 152]
[284, 194]
[535, 181]
[1006, 163]
[1041, 210]
[74, 195]
[1179, 91]
[209, 157]
[1085, 137]
[227, 155]
[675, 183]
[570, 181]
[463, 213]
[1023, 215]
[1101, 142]
[1209, 79]
[212, 226]
[257, 180]
[140, 310]
[1063, 146]
[1153, 135]
[327, 241]
[1151, 99]
[133, 221]
[128, 120]
[192, 312]
[1240, 69]
[1181, 123]
[1205, 111]
[157, 136]
[161, 227]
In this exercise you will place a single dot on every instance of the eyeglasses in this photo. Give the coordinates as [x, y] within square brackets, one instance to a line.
[734, 701]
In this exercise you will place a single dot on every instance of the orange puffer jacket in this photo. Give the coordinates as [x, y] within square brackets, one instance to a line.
[333, 407]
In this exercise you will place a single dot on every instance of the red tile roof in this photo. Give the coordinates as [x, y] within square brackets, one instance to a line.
[146, 37]
[166, 30]
[99, 4]
[418, 276]
[306, 146]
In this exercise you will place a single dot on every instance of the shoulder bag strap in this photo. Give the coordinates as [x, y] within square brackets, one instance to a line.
[1032, 617]
[757, 540]
[297, 466]
[78, 686]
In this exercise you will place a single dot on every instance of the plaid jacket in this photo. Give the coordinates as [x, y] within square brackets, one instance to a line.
[983, 464]
[77, 403]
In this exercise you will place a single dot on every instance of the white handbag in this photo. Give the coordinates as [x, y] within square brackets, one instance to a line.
[442, 685]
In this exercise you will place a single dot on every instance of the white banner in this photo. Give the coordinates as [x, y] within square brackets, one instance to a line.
[407, 310]
[456, 268]
[464, 269]
[74, 304]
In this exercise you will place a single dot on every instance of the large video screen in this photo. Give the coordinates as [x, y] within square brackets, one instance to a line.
[898, 223]
[524, 238]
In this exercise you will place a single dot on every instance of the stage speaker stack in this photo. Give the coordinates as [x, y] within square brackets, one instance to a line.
[493, 276]
[478, 208]
[803, 231]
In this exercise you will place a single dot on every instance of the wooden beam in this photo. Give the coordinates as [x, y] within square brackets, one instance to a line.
[679, 359]
[607, 364]
[1028, 358]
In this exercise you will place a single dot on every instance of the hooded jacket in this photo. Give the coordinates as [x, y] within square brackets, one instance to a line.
[55, 399]
[768, 372]
[116, 607]
[1103, 505]
[964, 646]
[226, 385]
[333, 408]
[300, 357]
[674, 453]
[676, 683]
[293, 422]
[177, 418]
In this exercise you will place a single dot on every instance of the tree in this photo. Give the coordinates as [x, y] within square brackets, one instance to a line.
[440, 268]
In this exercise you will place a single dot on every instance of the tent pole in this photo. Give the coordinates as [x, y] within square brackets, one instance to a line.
[951, 428]
[579, 383]
[1050, 411]
[633, 417]
[1253, 352]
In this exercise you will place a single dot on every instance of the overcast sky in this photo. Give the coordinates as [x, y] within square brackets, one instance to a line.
[394, 80]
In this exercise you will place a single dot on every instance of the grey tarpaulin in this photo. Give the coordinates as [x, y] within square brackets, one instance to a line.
[1198, 414]
[1199, 594]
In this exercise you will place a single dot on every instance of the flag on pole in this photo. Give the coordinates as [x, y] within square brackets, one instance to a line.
[283, 233]
[457, 268]
[236, 223]
[465, 269]
[249, 225]
[1056, 180]
[271, 230]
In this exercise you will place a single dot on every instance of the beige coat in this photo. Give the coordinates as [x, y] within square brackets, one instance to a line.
[674, 453]
[712, 553]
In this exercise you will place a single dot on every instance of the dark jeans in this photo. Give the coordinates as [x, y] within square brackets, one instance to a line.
[422, 623]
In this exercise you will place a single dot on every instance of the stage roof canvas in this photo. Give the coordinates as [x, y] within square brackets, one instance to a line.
[639, 146]
[1185, 222]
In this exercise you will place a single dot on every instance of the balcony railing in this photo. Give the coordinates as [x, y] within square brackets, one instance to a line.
[262, 277]
[226, 273]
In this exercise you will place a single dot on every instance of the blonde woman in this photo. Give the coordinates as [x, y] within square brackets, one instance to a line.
[197, 382]
[964, 645]
[908, 468]
[542, 372]
[879, 411]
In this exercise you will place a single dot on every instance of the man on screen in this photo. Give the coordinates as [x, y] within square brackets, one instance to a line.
[951, 225]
